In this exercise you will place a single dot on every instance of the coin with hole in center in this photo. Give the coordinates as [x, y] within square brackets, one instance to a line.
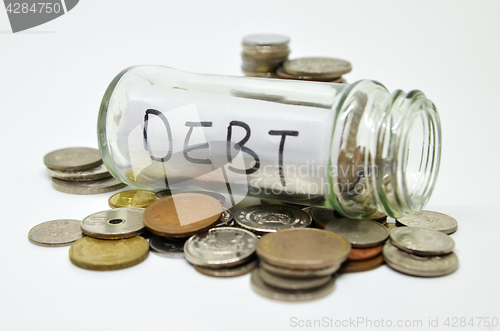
[55, 233]
[114, 223]
[71, 159]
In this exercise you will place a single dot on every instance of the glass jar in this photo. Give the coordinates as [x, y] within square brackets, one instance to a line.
[355, 148]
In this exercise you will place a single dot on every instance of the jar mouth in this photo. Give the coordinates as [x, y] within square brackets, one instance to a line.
[409, 173]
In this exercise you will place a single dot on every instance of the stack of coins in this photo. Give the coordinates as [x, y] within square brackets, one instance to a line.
[429, 220]
[365, 236]
[222, 252]
[297, 264]
[320, 69]
[263, 54]
[112, 241]
[420, 252]
[80, 170]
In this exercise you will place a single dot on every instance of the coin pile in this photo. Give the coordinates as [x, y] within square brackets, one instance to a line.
[297, 264]
[420, 252]
[79, 170]
[263, 54]
[366, 237]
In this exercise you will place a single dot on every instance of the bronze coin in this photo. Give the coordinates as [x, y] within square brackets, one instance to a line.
[182, 215]
[303, 248]
[365, 265]
[359, 254]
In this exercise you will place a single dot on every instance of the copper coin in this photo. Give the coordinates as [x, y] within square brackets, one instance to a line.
[182, 215]
[365, 265]
[358, 254]
[303, 248]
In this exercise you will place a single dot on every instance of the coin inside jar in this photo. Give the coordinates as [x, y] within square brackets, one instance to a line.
[114, 223]
[303, 249]
[182, 215]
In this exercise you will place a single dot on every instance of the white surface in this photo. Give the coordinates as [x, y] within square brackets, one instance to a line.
[52, 78]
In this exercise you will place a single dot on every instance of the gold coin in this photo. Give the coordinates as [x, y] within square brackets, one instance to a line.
[97, 254]
[303, 248]
[182, 215]
[132, 198]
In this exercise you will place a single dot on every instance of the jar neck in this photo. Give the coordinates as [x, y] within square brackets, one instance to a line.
[398, 156]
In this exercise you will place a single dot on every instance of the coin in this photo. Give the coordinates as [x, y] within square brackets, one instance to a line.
[163, 194]
[271, 218]
[168, 247]
[423, 266]
[303, 249]
[71, 159]
[358, 254]
[182, 215]
[390, 226]
[289, 295]
[422, 241]
[317, 67]
[220, 247]
[97, 254]
[239, 270]
[90, 187]
[299, 273]
[430, 220]
[114, 223]
[55, 233]
[322, 216]
[281, 73]
[290, 283]
[360, 233]
[259, 74]
[265, 39]
[225, 218]
[364, 265]
[91, 174]
[132, 198]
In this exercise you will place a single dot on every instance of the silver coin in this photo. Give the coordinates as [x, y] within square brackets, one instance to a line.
[91, 187]
[271, 218]
[422, 241]
[281, 73]
[168, 247]
[430, 220]
[289, 283]
[55, 233]
[265, 40]
[423, 266]
[96, 173]
[220, 247]
[295, 273]
[259, 286]
[225, 219]
[317, 67]
[239, 270]
[360, 233]
[71, 159]
[163, 194]
[115, 223]
[323, 216]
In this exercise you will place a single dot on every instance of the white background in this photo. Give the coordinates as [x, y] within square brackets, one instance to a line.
[52, 79]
